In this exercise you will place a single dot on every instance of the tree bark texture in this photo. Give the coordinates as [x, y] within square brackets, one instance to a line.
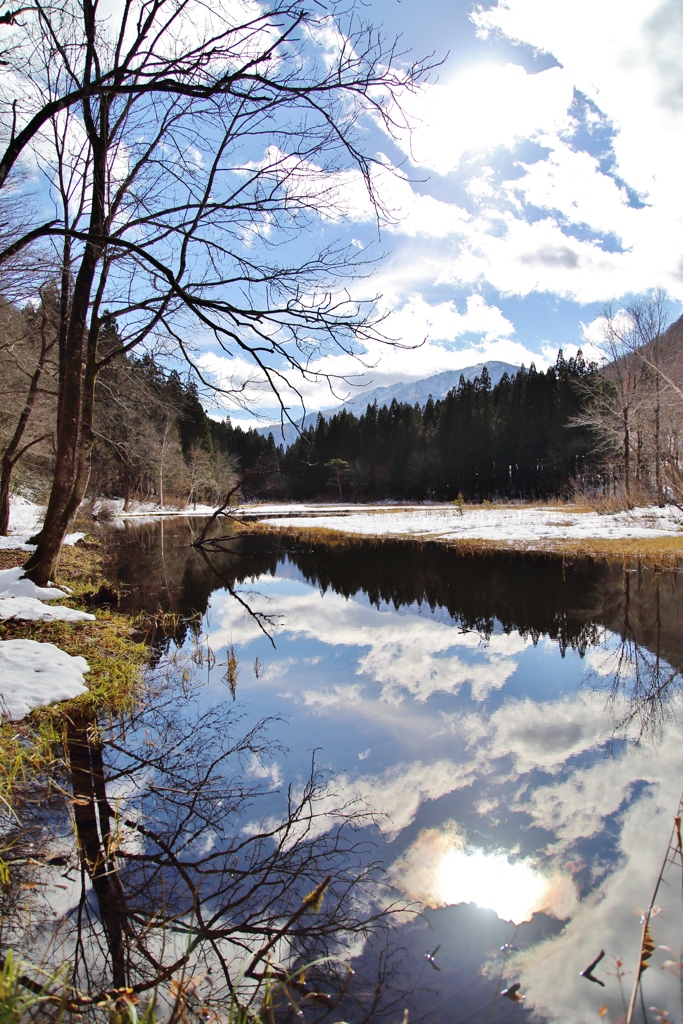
[77, 375]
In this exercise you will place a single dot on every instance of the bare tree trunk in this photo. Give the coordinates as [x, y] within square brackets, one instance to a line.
[658, 467]
[627, 455]
[161, 467]
[76, 391]
[13, 452]
[66, 493]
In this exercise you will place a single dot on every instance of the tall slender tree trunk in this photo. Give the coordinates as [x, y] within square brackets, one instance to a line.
[658, 465]
[71, 461]
[77, 374]
[627, 455]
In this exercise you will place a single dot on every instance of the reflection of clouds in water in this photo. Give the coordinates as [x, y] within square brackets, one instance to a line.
[407, 654]
[439, 870]
[410, 659]
[260, 769]
[535, 736]
[395, 794]
[546, 736]
[606, 919]
[606, 661]
[536, 759]
[337, 696]
[275, 669]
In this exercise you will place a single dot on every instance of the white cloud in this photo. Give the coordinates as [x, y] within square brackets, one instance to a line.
[415, 319]
[592, 241]
[481, 107]
[409, 321]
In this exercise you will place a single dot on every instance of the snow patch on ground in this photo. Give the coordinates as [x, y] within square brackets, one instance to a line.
[25, 519]
[142, 509]
[24, 515]
[20, 598]
[445, 523]
[33, 674]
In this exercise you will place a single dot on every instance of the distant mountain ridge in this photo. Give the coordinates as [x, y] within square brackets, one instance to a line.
[418, 391]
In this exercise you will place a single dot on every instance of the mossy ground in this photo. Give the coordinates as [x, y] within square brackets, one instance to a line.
[116, 660]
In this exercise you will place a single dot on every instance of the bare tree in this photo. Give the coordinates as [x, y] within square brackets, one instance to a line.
[630, 407]
[647, 320]
[28, 389]
[186, 149]
[200, 472]
[167, 458]
[130, 415]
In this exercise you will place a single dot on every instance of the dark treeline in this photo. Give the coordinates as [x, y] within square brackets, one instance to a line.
[153, 440]
[515, 439]
[572, 430]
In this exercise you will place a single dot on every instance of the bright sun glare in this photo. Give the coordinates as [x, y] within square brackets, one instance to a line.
[513, 891]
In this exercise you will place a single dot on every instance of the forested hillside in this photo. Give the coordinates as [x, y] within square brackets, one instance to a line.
[515, 439]
[153, 440]
[536, 433]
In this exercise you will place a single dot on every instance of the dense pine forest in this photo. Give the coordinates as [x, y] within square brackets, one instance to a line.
[516, 439]
[571, 429]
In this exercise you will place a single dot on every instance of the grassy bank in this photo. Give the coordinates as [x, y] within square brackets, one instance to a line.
[657, 552]
[28, 747]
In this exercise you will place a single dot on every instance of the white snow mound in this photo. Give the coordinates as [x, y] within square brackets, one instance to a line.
[13, 583]
[30, 608]
[34, 674]
[24, 516]
[20, 598]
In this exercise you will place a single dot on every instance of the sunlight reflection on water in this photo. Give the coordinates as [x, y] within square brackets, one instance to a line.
[513, 891]
[440, 869]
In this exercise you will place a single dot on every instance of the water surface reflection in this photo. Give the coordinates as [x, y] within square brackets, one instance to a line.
[514, 719]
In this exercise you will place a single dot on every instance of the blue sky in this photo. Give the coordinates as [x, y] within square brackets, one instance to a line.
[541, 179]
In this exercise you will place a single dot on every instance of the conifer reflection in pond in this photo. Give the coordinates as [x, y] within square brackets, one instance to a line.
[494, 707]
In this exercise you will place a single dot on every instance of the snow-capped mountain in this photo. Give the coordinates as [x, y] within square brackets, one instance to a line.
[418, 391]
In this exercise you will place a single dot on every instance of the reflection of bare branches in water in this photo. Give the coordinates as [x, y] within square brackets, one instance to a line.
[266, 623]
[640, 678]
[175, 870]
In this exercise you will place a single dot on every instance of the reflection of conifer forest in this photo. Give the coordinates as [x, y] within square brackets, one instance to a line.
[535, 594]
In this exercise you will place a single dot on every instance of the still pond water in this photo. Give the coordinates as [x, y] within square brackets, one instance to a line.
[513, 721]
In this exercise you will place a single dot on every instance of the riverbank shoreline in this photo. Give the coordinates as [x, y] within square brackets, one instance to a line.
[649, 533]
[115, 659]
[648, 545]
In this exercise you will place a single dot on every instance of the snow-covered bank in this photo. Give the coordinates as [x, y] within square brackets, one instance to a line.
[33, 674]
[25, 519]
[114, 507]
[20, 598]
[506, 524]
